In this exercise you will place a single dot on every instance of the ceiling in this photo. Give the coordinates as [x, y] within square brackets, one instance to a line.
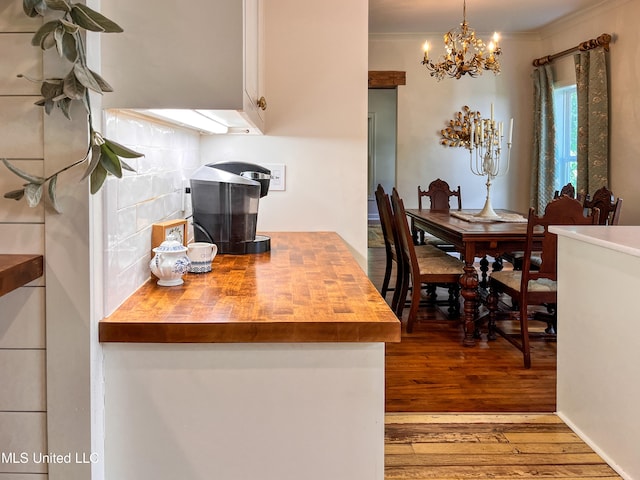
[504, 16]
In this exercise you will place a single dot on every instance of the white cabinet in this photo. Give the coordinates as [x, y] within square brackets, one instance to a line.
[192, 55]
[254, 102]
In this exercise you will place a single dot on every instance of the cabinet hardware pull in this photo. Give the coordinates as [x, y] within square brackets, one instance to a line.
[262, 103]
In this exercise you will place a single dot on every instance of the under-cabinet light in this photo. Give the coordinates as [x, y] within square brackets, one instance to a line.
[189, 118]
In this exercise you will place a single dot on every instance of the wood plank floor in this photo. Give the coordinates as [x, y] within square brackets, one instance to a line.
[430, 370]
[487, 446]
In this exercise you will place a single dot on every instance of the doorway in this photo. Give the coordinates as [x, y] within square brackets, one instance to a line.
[382, 143]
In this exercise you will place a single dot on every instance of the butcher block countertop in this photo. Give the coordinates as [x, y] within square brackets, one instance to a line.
[308, 288]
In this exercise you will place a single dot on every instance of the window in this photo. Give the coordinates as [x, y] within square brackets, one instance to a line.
[565, 107]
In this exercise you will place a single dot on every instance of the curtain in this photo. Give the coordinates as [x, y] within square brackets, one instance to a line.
[543, 158]
[593, 120]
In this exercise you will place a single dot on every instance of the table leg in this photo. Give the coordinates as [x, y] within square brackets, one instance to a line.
[484, 268]
[469, 283]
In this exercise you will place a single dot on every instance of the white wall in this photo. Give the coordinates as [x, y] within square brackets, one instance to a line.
[316, 76]
[426, 105]
[618, 18]
[244, 411]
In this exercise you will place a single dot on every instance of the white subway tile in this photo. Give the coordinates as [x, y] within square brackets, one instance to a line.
[153, 192]
[149, 212]
[135, 189]
[127, 222]
[173, 203]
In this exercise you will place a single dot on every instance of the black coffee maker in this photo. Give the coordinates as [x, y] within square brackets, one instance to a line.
[225, 198]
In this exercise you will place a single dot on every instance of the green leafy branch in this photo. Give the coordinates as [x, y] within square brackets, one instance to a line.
[65, 34]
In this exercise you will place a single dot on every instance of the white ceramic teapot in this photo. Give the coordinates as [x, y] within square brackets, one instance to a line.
[170, 262]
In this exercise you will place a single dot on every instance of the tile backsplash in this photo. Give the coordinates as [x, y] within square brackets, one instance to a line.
[153, 193]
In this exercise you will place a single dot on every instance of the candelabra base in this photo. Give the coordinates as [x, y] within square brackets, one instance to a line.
[487, 211]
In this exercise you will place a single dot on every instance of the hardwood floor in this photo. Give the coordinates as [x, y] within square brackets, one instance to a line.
[486, 446]
[430, 370]
[474, 413]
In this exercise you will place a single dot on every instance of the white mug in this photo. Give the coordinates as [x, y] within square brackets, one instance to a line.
[201, 255]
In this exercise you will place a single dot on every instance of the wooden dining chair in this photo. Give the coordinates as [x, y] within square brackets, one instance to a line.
[569, 190]
[391, 246]
[609, 206]
[534, 287]
[440, 196]
[393, 251]
[438, 269]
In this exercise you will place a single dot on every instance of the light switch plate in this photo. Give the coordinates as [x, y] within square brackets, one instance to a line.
[278, 176]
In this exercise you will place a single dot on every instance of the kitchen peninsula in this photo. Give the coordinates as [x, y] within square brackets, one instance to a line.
[271, 367]
[598, 355]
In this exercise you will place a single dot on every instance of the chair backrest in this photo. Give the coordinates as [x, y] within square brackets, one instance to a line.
[405, 238]
[610, 209]
[386, 220]
[563, 210]
[440, 195]
[568, 190]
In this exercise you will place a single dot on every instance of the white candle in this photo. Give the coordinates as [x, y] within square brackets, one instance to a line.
[500, 129]
[492, 112]
[510, 130]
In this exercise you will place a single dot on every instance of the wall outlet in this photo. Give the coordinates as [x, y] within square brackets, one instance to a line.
[278, 176]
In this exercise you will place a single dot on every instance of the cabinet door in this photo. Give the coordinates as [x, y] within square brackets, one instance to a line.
[176, 55]
[253, 68]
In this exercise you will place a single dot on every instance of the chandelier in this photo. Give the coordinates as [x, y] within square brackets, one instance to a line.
[465, 54]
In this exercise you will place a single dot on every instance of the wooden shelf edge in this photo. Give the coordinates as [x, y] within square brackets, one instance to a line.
[270, 332]
[17, 270]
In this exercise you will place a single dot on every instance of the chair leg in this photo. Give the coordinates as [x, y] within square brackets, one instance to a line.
[398, 287]
[454, 301]
[492, 305]
[403, 289]
[432, 292]
[524, 335]
[387, 276]
[415, 304]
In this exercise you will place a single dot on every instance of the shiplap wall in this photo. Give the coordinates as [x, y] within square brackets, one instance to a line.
[22, 312]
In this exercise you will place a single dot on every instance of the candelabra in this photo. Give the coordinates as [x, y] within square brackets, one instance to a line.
[485, 150]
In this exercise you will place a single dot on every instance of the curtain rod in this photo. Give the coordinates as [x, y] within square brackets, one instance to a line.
[603, 40]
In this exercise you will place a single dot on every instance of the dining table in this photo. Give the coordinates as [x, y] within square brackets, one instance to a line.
[474, 237]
